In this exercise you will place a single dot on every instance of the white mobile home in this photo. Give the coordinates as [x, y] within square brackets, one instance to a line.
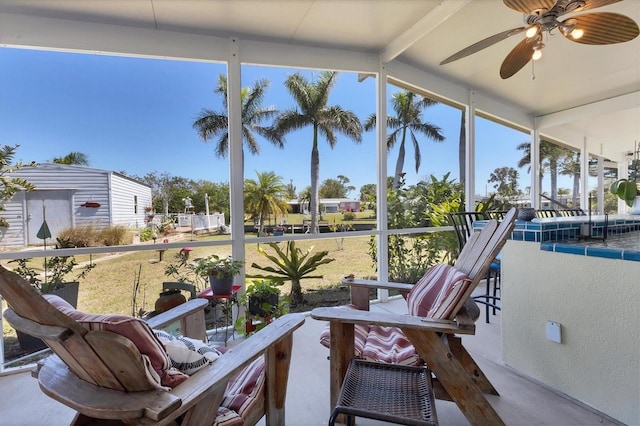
[72, 196]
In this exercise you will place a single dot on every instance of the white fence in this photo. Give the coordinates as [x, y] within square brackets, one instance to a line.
[200, 222]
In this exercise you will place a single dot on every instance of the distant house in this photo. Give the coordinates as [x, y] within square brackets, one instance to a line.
[327, 205]
[72, 196]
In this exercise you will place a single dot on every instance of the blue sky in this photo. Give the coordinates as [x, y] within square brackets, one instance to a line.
[135, 115]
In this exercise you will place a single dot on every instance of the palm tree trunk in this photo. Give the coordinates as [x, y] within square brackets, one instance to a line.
[399, 164]
[576, 190]
[462, 149]
[315, 171]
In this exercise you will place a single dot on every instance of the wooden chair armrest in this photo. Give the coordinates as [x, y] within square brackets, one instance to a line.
[377, 284]
[190, 315]
[274, 341]
[391, 320]
[360, 290]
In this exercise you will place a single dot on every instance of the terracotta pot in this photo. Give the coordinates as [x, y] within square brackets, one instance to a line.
[169, 299]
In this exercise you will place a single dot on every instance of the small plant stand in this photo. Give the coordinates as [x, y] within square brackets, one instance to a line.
[228, 299]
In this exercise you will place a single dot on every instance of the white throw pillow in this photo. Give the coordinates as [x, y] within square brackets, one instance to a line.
[187, 355]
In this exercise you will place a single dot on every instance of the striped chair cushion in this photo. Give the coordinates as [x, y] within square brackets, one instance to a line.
[134, 329]
[437, 292]
[243, 395]
[434, 296]
[360, 335]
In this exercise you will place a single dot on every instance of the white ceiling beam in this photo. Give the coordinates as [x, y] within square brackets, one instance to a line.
[424, 26]
[595, 109]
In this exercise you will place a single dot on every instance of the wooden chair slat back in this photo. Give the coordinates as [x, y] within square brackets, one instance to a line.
[28, 303]
[463, 224]
[475, 248]
[484, 246]
[81, 355]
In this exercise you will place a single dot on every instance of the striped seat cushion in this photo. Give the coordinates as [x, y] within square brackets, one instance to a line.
[435, 295]
[244, 394]
[360, 335]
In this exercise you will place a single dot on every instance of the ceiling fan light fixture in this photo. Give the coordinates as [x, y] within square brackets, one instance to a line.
[537, 54]
[568, 28]
[532, 31]
[537, 50]
[577, 33]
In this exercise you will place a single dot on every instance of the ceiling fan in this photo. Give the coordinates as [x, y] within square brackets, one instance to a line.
[541, 16]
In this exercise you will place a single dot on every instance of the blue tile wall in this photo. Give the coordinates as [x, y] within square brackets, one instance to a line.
[562, 235]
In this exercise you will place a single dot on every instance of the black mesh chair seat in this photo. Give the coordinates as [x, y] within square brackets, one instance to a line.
[388, 392]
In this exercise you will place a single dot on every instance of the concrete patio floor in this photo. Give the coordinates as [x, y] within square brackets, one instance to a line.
[522, 401]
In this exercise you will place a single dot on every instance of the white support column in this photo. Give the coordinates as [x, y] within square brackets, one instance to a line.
[584, 175]
[236, 160]
[470, 153]
[381, 190]
[600, 185]
[535, 169]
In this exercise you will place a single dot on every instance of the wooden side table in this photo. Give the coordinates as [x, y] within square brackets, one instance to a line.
[227, 299]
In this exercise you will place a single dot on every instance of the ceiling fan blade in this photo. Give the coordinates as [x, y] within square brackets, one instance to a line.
[593, 4]
[482, 44]
[516, 59]
[527, 6]
[605, 28]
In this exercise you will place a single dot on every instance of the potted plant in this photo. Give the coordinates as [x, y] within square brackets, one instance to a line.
[52, 281]
[628, 190]
[261, 301]
[220, 271]
[262, 297]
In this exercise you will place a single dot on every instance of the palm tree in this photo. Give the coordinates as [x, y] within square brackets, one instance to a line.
[408, 107]
[211, 124]
[312, 98]
[571, 167]
[265, 196]
[73, 158]
[550, 155]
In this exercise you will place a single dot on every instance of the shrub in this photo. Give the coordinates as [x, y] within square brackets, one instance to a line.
[91, 236]
[146, 234]
[78, 236]
[348, 216]
[115, 236]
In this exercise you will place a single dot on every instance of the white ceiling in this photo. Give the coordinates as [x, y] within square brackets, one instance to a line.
[580, 94]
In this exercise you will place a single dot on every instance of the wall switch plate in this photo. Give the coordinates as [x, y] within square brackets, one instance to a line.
[554, 331]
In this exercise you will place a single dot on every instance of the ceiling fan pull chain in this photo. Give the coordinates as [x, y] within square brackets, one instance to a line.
[533, 70]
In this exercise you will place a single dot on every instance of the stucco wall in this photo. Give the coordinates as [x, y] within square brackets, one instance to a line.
[597, 301]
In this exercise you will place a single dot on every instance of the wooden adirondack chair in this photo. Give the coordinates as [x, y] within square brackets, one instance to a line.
[102, 375]
[459, 378]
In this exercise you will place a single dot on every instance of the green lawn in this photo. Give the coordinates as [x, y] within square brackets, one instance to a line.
[108, 287]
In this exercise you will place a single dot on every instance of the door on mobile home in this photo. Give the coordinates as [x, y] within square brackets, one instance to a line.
[57, 210]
